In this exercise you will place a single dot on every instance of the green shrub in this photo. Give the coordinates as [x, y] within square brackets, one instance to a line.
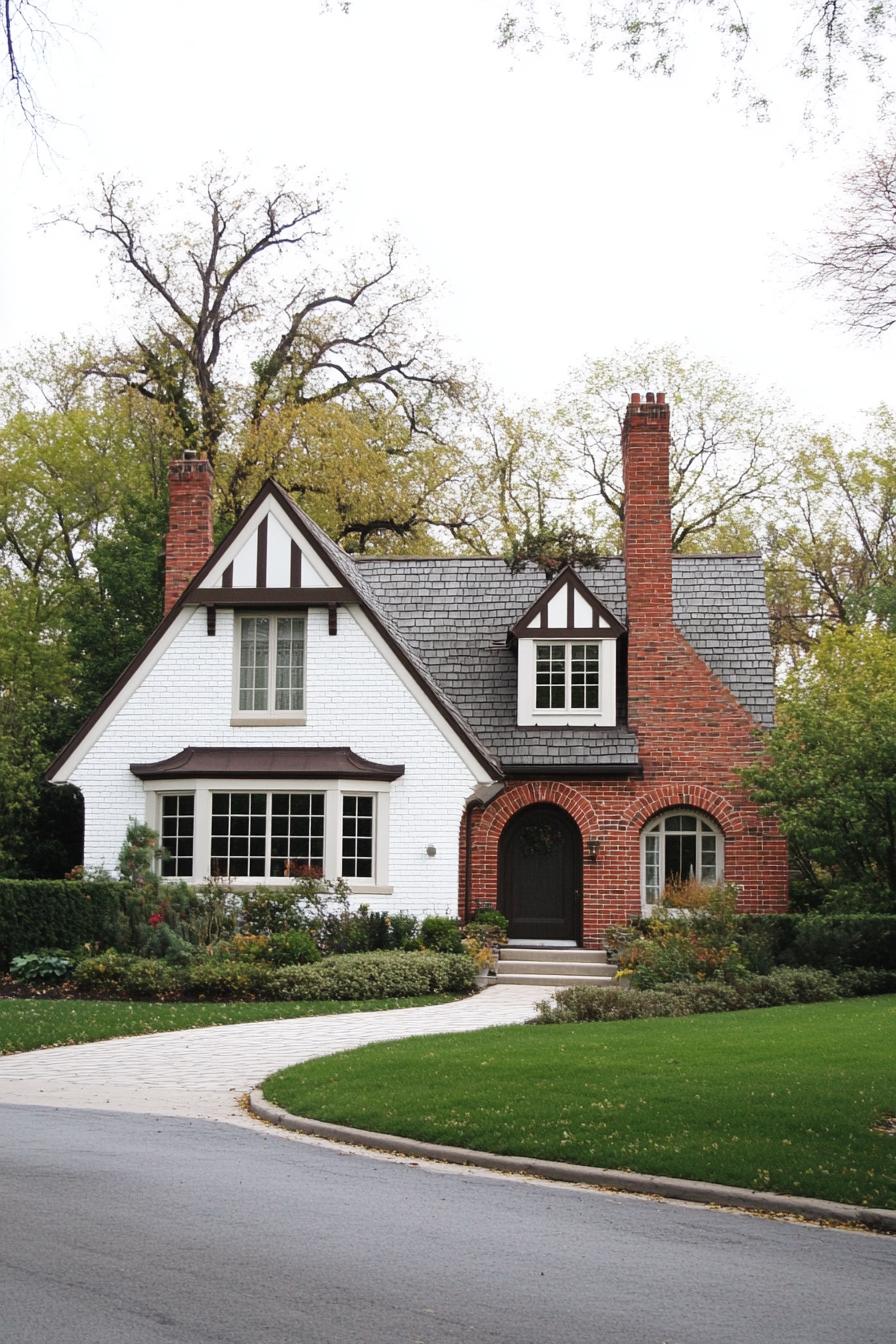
[305, 902]
[862, 980]
[441, 933]
[689, 936]
[210, 978]
[45, 965]
[493, 919]
[35, 914]
[118, 975]
[376, 975]
[798, 984]
[830, 942]
[404, 932]
[295, 948]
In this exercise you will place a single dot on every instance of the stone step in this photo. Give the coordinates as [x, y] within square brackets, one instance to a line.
[555, 981]
[589, 956]
[589, 968]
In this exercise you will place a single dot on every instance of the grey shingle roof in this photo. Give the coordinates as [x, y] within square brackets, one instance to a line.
[455, 614]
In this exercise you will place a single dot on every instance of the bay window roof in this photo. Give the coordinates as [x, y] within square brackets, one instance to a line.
[266, 763]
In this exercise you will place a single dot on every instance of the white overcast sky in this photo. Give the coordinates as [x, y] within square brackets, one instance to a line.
[563, 215]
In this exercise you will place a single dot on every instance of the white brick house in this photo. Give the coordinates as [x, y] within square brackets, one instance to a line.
[368, 776]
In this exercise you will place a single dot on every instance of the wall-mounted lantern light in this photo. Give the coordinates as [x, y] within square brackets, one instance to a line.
[593, 847]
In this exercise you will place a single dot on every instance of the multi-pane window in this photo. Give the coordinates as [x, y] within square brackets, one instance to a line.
[680, 847]
[297, 835]
[267, 834]
[272, 664]
[239, 841]
[357, 835]
[567, 676]
[176, 832]
[550, 676]
[584, 677]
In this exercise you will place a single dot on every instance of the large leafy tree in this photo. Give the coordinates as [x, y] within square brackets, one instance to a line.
[830, 775]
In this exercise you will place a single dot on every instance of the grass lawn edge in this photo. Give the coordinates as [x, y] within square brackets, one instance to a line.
[632, 1091]
[601, 1178]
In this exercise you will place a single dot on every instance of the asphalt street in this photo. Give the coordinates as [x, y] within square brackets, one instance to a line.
[134, 1229]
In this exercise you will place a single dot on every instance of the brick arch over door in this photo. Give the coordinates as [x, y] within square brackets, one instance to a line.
[490, 823]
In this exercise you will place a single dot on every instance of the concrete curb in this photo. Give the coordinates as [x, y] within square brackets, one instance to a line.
[665, 1187]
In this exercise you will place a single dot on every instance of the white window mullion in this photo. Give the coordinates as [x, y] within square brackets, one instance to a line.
[332, 832]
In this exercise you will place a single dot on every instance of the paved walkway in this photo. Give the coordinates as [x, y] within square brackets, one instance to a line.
[202, 1073]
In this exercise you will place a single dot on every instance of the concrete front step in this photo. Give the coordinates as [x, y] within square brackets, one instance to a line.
[597, 969]
[556, 979]
[553, 954]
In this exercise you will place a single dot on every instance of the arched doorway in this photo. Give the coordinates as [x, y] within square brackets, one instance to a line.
[540, 875]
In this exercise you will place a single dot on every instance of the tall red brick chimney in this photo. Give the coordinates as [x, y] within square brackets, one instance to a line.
[647, 547]
[189, 541]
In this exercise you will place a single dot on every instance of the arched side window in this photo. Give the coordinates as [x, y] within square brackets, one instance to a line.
[678, 847]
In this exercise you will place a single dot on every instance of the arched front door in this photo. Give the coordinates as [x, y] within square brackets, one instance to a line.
[540, 874]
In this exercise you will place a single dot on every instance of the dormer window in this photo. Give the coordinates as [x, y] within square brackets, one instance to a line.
[566, 644]
[567, 676]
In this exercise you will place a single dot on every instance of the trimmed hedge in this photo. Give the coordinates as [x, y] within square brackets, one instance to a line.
[828, 942]
[377, 975]
[784, 985]
[35, 914]
[354, 975]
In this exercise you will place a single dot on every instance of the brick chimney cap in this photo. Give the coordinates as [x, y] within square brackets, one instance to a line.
[636, 399]
[189, 455]
[651, 398]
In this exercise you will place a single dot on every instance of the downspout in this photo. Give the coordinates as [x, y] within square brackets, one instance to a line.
[478, 801]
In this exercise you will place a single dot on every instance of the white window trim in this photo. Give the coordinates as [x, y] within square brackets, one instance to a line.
[333, 790]
[602, 717]
[648, 906]
[246, 718]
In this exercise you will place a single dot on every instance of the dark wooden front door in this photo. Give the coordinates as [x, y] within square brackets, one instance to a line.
[541, 874]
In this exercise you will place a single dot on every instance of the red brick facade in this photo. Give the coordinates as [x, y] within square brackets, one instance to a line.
[693, 735]
[189, 542]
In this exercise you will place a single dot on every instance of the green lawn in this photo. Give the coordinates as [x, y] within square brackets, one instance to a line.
[27, 1024]
[777, 1099]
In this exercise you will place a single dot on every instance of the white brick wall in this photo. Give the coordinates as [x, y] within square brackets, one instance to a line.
[353, 699]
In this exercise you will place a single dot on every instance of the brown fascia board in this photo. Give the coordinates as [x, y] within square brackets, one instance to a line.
[601, 770]
[188, 598]
[271, 597]
[567, 574]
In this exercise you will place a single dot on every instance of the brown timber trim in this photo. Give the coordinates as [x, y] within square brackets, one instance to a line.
[271, 597]
[567, 575]
[352, 594]
[227, 576]
[210, 620]
[332, 619]
[261, 554]
[295, 565]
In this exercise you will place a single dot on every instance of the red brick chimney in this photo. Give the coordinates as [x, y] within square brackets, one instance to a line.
[647, 548]
[189, 541]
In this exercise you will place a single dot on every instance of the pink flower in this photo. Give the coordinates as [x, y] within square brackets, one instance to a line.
[155, 919]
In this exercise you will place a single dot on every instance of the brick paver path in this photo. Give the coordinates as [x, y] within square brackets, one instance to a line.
[203, 1072]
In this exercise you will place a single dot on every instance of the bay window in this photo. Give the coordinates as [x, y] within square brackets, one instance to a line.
[248, 831]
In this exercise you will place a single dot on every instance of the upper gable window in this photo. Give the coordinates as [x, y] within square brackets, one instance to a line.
[269, 662]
